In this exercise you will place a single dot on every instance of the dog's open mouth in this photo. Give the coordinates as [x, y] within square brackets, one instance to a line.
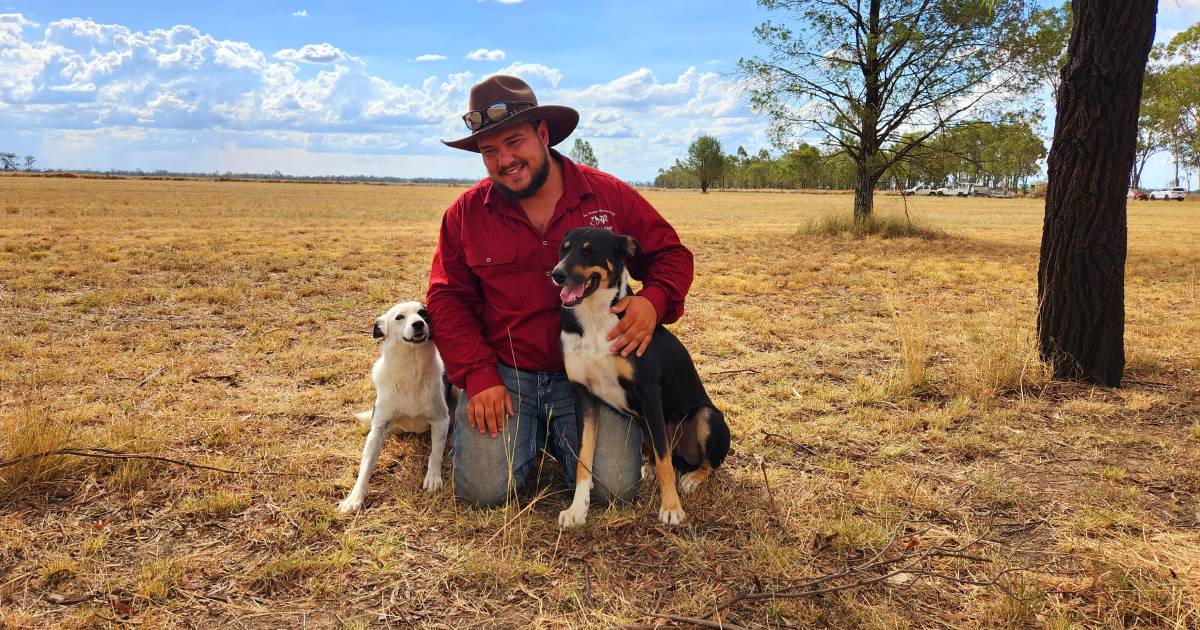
[420, 337]
[573, 295]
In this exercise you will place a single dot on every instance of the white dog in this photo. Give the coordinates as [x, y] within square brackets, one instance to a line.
[411, 394]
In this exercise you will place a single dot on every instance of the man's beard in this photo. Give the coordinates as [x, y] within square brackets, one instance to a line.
[535, 184]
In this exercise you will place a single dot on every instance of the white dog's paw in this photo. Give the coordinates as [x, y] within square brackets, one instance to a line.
[647, 472]
[671, 517]
[691, 481]
[573, 516]
[432, 483]
[350, 504]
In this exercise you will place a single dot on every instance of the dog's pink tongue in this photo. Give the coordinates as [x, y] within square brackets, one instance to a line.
[570, 294]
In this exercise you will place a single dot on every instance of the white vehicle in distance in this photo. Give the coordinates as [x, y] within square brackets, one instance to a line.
[1174, 192]
[954, 191]
[922, 189]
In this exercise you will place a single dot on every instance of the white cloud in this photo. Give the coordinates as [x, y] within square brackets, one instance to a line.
[483, 54]
[314, 53]
[431, 57]
[301, 13]
[529, 70]
[84, 94]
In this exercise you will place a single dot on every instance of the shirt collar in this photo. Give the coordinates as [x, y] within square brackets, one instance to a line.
[575, 185]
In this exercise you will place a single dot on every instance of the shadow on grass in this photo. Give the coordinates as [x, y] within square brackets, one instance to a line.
[837, 225]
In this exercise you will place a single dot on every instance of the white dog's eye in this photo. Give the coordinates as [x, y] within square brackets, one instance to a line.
[399, 317]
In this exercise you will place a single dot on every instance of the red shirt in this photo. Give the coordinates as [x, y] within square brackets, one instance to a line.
[490, 295]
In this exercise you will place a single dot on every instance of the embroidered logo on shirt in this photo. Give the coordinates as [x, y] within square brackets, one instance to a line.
[600, 218]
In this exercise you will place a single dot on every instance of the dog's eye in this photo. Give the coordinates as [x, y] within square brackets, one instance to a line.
[399, 317]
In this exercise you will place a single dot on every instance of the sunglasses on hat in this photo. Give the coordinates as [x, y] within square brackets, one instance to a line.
[477, 119]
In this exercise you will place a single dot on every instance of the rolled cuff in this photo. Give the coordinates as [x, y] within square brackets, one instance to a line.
[658, 298]
[483, 378]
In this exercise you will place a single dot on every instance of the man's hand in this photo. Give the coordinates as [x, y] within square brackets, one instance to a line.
[487, 409]
[635, 329]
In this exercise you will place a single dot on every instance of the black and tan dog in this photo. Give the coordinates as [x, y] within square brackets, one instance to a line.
[682, 427]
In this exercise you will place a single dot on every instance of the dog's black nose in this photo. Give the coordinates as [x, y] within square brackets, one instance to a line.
[418, 325]
[558, 276]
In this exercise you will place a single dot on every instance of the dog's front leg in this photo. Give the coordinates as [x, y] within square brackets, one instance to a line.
[438, 429]
[379, 432]
[587, 408]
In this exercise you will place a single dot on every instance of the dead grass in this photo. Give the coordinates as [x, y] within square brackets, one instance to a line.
[870, 382]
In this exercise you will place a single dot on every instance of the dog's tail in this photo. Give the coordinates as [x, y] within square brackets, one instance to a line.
[364, 417]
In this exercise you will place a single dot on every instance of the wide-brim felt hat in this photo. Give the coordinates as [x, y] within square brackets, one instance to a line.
[560, 120]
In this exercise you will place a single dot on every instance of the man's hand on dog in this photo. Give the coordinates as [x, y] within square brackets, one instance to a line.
[487, 409]
[636, 328]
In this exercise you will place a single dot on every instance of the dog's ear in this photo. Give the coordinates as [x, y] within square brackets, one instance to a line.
[632, 247]
[424, 314]
[378, 331]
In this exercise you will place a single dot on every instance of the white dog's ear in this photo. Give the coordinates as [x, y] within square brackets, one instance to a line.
[378, 331]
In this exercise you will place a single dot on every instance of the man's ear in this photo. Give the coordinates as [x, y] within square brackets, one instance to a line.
[378, 331]
[632, 247]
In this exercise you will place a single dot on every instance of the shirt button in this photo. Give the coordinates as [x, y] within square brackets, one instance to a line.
[547, 274]
[545, 242]
[487, 260]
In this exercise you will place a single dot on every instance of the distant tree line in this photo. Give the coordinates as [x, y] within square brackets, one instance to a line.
[227, 175]
[1002, 153]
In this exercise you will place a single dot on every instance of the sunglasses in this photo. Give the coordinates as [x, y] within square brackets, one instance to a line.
[479, 118]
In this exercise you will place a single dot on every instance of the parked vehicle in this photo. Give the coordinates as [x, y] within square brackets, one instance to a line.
[921, 189]
[1137, 195]
[1174, 192]
[963, 190]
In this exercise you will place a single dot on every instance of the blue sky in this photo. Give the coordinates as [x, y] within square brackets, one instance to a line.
[370, 87]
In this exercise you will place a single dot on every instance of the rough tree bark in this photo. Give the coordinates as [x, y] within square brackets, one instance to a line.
[1081, 274]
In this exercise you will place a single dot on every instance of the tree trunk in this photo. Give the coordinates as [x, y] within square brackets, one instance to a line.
[864, 193]
[703, 185]
[1081, 273]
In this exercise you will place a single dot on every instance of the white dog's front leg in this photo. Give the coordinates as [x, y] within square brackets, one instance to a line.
[354, 501]
[433, 473]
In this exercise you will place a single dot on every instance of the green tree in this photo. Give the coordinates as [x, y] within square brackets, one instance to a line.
[706, 161]
[582, 153]
[863, 72]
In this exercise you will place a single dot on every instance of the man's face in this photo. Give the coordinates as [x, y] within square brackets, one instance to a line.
[517, 159]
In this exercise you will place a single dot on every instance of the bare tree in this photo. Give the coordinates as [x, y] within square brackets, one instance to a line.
[29, 162]
[867, 73]
[1081, 273]
[8, 161]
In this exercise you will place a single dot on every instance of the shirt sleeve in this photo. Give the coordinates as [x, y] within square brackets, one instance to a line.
[454, 301]
[663, 264]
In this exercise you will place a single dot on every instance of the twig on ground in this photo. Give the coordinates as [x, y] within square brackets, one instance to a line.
[703, 623]
[762, 466]
[805, 448]
[151, 376]
[738, 371]
[103, 453]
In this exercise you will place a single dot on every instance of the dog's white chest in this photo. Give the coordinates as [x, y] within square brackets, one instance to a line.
[590, 363]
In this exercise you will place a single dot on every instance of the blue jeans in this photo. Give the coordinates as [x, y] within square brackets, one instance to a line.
[488, 470]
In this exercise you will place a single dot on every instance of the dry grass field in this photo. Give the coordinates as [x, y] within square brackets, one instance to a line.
[900, 458]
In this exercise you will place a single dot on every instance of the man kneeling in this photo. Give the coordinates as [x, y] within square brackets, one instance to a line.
[496, 309]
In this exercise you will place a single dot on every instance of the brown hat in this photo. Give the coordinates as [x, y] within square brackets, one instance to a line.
[560, 120]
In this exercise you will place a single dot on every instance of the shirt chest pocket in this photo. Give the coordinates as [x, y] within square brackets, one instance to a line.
[505, 284]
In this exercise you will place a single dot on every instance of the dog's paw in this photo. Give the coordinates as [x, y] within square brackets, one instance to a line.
[671, 517]
[573, 516]
[432, 483]
[350, 504]
[691, 481]
[647, 472]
